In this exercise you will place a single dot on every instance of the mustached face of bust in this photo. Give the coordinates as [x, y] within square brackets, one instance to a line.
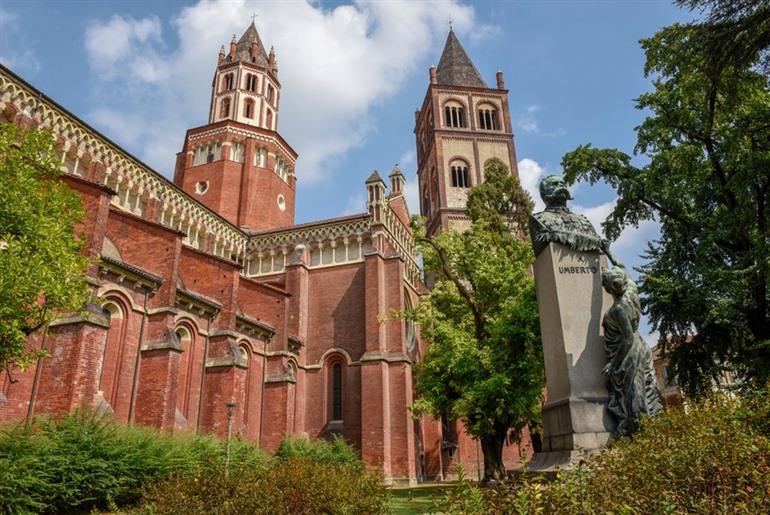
[553, 190]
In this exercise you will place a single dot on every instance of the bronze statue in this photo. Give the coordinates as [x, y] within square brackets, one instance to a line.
[631, 382]
[557, 224]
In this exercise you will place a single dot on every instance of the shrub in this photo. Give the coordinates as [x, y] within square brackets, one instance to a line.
[713, 458]
[85, 460]
[319, 451]
[292, 485]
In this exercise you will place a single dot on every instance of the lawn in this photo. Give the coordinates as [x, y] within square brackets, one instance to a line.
[410, 501]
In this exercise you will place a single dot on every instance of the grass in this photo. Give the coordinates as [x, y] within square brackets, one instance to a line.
[411, 501]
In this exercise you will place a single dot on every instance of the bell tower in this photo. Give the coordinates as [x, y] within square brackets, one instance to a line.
[462, 124]
[238, 164]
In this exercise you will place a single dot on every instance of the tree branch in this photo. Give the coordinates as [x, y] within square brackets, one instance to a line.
[478, 316]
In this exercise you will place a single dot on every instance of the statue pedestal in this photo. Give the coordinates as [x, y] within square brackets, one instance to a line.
[572, 302]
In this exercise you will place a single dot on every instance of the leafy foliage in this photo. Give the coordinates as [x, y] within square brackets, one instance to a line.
[735, 31]
[85, 460]
[712, 458]
[705, 282]
[295, 485]
[483, 364]
[318, 451]
[42, 270]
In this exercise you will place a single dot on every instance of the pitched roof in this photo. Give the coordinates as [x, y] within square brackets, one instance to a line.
[375, 177]
[244, 46]
[455, 68]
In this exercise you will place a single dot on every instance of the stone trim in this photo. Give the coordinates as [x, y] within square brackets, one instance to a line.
[167, 344]
[87, 317]
[227, 361]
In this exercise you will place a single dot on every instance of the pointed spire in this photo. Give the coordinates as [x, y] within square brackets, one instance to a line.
[455, 68]
[249, 47]
[375, 177]
[221, 54]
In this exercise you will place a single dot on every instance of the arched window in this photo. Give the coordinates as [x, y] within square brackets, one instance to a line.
[224, 108]
[269, 119]
[186, 373]
[112, 359]
[207, 153]
[236, 152]
[227, 82]
[454, 114]
[337, 391]
[460, 178]
[411, 334]
[251, 82]
[248, 108]
[260, 158]
[270, 93]
[488, 119]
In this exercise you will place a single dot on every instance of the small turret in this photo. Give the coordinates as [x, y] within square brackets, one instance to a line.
[233, 47]
[432, 74]
[375, 188]
[500, 80]
[396, 180]
[221, 55]
[272, 63]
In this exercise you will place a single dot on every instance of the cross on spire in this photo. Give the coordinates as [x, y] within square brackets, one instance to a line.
[253, 17]
[450, 23]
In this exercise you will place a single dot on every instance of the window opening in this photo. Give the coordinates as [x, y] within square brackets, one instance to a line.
[460, 175]
[336, 391]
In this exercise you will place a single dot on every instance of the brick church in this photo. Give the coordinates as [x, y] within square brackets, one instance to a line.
[207, 292]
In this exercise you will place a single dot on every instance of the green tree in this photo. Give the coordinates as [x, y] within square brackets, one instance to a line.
[42, 268]
[483, 364]
[706, 142]
[733, 32]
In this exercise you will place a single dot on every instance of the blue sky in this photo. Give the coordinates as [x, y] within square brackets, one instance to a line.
[352, 75]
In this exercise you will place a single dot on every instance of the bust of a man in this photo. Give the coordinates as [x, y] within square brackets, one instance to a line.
[557, 224]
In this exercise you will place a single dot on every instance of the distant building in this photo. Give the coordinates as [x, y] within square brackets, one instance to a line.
[668, 383]
[668, 386]
[209, 293]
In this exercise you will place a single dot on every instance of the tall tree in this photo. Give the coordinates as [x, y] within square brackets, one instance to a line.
[42, 269]
[483, 364]
[733, 32]
[707, 180]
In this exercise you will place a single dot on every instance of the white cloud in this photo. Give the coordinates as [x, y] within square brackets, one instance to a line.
[596, 214]
[530, 173]
[334, 66]
[124, 46]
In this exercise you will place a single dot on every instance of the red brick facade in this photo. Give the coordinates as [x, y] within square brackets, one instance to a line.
[205, 292]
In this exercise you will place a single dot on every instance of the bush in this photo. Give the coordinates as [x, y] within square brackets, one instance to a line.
[292, 485]
[713, 458]
[319, 451]
[307, 476]
[85, 460]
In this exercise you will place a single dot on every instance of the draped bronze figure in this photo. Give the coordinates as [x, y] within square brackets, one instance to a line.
[631, 382]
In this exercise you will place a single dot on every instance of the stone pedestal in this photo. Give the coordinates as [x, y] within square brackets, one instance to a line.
[572, 302]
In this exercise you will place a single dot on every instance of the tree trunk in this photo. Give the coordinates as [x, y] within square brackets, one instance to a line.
[492, 448]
